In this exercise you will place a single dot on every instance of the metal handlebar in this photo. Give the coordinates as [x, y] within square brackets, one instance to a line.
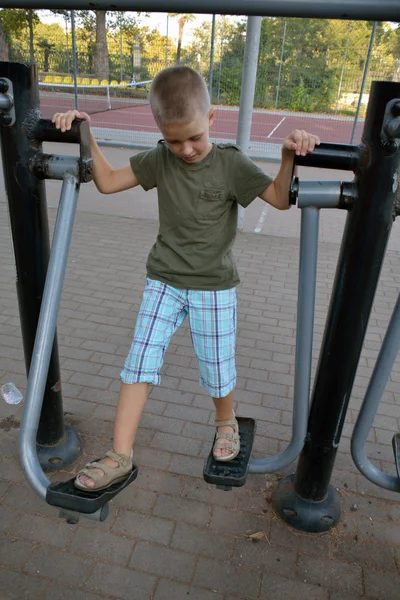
[45, 131]
[344, 157]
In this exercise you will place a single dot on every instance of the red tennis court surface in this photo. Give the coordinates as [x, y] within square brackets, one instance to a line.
[267, 126]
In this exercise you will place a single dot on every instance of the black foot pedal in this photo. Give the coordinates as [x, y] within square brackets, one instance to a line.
[396, 451]
[65, 495]
[226, 475]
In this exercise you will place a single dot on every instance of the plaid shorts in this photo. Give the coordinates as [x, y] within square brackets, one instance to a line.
[212, 320]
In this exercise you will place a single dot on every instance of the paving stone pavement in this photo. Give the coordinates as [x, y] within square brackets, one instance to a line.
[170, 535]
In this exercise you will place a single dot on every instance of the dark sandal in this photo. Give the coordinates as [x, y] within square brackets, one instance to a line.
[232, 440]
[110, 474]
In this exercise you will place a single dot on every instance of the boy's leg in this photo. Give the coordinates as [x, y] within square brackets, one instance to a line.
[131, 401]
[212, 317]
[161, 312]
[223, 412]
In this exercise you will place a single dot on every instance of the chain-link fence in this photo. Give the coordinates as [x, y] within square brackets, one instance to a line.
[313, 74]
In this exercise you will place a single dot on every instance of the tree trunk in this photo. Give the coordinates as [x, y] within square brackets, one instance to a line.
[31, 48]
[101, 65]
[46, 60]
[3, 44]
[180, 35]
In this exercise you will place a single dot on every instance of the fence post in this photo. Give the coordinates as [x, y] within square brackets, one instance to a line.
[280, 64]
[249, 75]
[120, 49]
[166, 44]
[364, 80]
[74, 51]
[58, 445]
[220, 58]
[108, 98]
[66, 35]
[211, 71]
[343, 67]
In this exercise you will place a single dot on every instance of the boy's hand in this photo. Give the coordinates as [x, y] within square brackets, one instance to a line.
[63, 120]
[301, 142]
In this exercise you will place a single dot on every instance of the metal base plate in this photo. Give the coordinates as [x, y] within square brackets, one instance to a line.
[54, 458]
[226, 475]
[65, 495]
[306, 515]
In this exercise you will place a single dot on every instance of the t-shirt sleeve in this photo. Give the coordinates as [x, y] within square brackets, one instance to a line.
[248, 180]
[145, 167]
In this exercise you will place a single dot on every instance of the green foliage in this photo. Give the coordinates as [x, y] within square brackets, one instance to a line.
[318, 67]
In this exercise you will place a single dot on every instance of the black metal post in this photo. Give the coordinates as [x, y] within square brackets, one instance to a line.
[57, 445]
[307, 501]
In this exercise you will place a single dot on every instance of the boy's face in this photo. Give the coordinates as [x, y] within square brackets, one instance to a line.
[189, 141]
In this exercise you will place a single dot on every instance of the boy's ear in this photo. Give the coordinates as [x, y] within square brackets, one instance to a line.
[211, 116]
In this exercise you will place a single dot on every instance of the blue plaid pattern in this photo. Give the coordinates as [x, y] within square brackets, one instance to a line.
[212, 320]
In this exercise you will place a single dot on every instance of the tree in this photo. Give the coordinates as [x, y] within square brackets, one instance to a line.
[200, 49]
[3, 43]
[125, 35]
[31, 16]
[230, 71]
[14, 21]
[101, 65]
[94, 32]
[47, 47]
[182, 19]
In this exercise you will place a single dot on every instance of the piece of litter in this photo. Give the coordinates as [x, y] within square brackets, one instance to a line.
[11, 393]
[256, 537]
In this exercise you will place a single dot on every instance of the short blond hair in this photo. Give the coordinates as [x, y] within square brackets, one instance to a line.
[177, 94]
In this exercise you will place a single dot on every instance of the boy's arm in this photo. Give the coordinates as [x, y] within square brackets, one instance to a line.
[106, 179]
[298, 142]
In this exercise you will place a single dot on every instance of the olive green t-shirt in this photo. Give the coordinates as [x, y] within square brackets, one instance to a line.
[198, 205]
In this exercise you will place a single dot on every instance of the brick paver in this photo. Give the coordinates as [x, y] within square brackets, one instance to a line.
[171, 535]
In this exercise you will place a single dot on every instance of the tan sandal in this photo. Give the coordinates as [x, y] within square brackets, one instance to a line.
[232, 440]
[110, 475]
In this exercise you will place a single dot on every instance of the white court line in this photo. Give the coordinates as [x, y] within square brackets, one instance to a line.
[275, 128]
[261, 220]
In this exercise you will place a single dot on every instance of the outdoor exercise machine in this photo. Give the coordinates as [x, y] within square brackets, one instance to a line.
[306, 500]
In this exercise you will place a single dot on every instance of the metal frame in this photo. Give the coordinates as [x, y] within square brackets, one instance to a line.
[26, 195]
[304, 343]
[45, 335]
[363, 10]
[382, 370]
[311, 485]
[311, 196]
[307, 500]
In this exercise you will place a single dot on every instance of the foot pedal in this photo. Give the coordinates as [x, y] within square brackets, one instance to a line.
[226, 475]
[65, 495]
[396, 451]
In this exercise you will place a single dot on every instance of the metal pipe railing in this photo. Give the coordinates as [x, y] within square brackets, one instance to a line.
[380, 376]
[368, 10]
[304, 342]
[45, 335]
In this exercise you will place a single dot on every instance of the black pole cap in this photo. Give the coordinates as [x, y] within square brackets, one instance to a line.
[3, 85]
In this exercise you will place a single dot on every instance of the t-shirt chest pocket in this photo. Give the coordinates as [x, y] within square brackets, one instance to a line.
[212, 201]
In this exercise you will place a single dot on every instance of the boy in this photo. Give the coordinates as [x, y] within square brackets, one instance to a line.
[190, 269]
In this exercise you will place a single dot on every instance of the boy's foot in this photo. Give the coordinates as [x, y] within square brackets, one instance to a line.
[227, 442]
[100, 474]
